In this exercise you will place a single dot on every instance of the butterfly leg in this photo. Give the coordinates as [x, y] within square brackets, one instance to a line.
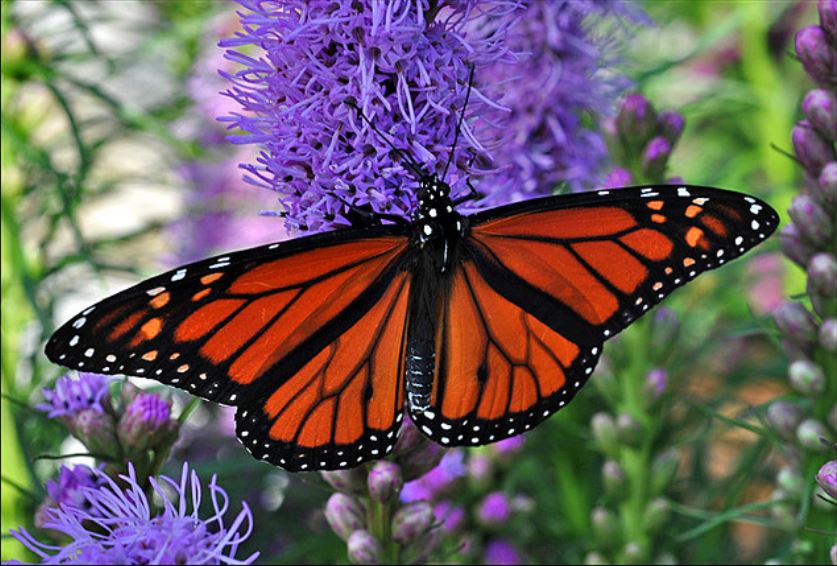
[369, 217]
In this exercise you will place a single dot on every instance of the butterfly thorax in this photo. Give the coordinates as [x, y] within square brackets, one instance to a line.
[437, 226]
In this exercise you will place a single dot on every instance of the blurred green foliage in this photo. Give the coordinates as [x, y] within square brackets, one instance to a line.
[71, 105]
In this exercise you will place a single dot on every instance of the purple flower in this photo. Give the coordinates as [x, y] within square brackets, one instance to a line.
[407, 65]
[438, 479]
[509, 446]
[656, 381]
[449, 515]
[494, 510]
[500, 552]
[69, 487]
[74, 393]
[119, 527]
[146, 423]
[827, 478]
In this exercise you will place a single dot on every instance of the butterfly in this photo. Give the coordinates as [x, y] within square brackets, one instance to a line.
[479, 326]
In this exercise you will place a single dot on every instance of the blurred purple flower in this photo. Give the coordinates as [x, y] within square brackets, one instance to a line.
[68, 488]
[449, 515]
[494, 510]
[619, 177]
[500, 552]
[509, 446]
[74, 393]
[407, 64]
[656, 381]
[451, 468]
[118, 526]
[827, 478]
[767, 288]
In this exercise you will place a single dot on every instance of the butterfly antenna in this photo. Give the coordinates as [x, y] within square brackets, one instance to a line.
[408, 160]
[461, 119]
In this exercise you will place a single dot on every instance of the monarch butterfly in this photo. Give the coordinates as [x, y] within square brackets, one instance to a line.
[494, 321]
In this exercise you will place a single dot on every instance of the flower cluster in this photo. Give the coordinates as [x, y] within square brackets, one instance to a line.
[114, 523]
[807, 421]
[365, 511]
[407, 65]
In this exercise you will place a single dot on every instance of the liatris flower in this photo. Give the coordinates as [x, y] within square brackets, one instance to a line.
[407, 65]
[75, 392]
[500, 552]
[146, 423]
[118, 527]
[437, 480]
[407, 71]
[69, 489]
[494, 510]
[827, 478]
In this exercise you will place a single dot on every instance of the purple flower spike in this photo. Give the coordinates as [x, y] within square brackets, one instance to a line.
[828, 22]
[813, 151]
[450, 468]
[345, 515]
[363, 548]
[671, 125]
[501, 553]
[69, 489]
[820, 107]
[656, 381]
[74, 393]
[411, 521]
[655, 158]
[817, 54]
[618, 178]
[494, 509]
[146, 423]
[449, 515]
[384, 481]
[118, 528]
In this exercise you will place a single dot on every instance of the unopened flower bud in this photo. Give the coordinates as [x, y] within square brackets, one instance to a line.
[606, 527]
[784, 417]
[827, 478]
[828, 335]
[363, 548]
[807, 378]
[795, 246]
[655, 384]
[146, 424]
[656, 514]
[671, 125]
[426, 545]
[825, 191]
[812, 435]
[790, 481]
[811, 149]
[449, 515]
[655, 158]
[494, 510]
[411, 521]
[480, 469]
[630, 430]
[420, 460]
[618, 178]
[384, 481]
[796, 323]
[348, 481]
[817, 55]
[409, 437]
[595, 559]
[636, 122]
[663, 471]
[345, 515]
[614, 478]
[828, 23]
[605, 433]
[632, 553]
[820, 108]
[96, 430]
[822, 282]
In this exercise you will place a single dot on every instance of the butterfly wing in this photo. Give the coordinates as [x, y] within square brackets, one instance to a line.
[545, 282]
[257, 328]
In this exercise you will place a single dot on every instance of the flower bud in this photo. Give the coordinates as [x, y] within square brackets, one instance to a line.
[825, 190]
[449, 515]
[348, 481]
[614, 478]
[828, 23]
[363, 548]
[782, 510]
[656, 514]
[411, 521]
[812, 435]
[817, 55]
[426, 545]
[96, 430]
[655, 383]
[632, 553]
[384, 481]
[345, 515]
[828, 335]
[820, 108]
[784, 417]
[409, 437]
[618, 178]
[420, 460]
[663, 470]
[790, 481]
[671, 125]
[146, 424]
[807, 378]
[794, 246]
[480, 469]
[822, 282]
[630, 430]
[655, 158]
[494, 510]
[595, 559]
[796, 323]
[811, 149]
[827, 478]
[522, 504]
[665, 559]
[605, 433]
[606, 527]
[636, 122]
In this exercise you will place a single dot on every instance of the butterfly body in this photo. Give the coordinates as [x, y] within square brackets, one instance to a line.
[480, 326]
